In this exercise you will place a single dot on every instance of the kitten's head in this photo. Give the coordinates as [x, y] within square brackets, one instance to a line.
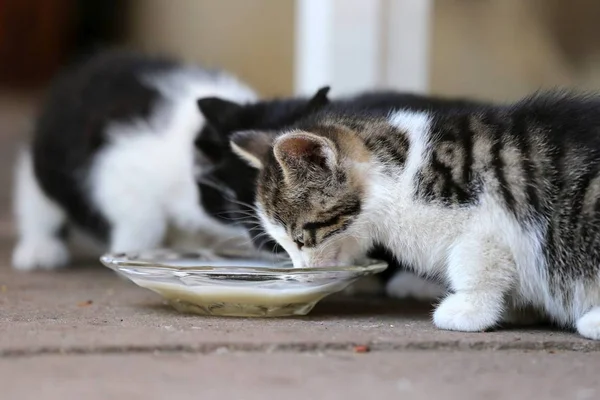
[311, 191]
[224, 117]
[230, 183]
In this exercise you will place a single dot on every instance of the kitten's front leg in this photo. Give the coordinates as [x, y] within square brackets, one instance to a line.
[481, 272]
[136, 231]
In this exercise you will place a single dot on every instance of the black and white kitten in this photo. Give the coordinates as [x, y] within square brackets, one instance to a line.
[113, 154]
[228, 185]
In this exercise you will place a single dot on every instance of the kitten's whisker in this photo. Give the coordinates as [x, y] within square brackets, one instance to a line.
[250, 206]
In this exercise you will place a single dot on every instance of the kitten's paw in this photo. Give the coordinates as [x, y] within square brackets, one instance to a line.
[588, 326]
[408, 285]
[41, 254]
[464, 312]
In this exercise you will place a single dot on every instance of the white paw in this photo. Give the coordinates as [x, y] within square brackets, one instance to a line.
[588, 326]
[41, 254]
[408, 285]
[464, 312]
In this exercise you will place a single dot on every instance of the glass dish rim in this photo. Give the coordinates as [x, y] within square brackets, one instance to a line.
[117, 261]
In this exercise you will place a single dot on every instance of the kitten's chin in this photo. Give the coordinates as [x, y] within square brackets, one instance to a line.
[348, 254]
[345, 255]
[332, 261]
[304, 261]
[325, 264]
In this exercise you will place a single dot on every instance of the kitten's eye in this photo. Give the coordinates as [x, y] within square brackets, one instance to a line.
[299, 240]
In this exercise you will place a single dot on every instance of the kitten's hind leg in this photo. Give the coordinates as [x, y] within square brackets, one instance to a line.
[588, 325]
[481, 273]
[40, 223]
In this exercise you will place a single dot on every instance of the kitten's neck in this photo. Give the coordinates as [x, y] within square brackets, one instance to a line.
[398, 157]
[397, 220]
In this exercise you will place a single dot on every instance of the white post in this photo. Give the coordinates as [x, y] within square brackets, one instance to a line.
[356, 45]
[312, 41]
[408, 44]
[338, 43]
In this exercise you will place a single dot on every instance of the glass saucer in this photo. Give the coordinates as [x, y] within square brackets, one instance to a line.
[208, 283]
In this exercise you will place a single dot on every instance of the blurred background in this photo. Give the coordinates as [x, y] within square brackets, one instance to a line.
[495, 49]
[487, 49]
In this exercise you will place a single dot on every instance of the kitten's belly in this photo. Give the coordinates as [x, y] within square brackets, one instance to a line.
[423, 236]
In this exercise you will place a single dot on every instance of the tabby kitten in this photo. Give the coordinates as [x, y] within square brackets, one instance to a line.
[503, 202]
[228, 185]
[228, 176]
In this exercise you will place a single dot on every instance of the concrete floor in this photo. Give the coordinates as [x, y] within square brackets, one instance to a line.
[84, 333]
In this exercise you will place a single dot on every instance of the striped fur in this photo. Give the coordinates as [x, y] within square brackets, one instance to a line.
[502, 202]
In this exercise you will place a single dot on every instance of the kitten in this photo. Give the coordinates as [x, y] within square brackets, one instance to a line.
[113, 155]
[503, 202]
[230, 182]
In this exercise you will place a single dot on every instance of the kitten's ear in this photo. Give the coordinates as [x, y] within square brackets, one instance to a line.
[298, 152]
[252, 146]
[319, 100]
[217, 110]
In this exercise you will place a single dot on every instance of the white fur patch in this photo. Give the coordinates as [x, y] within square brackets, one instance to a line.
[416, 126]
[144, 181]
[38, 219]
[280, 235]
[420, 234]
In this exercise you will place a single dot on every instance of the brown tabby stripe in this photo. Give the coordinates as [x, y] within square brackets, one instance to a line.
[351, 209]
[342, 228]
[467, 136]
[497, 162]
[579, 189]
[313, 227]
[498, 166]
[394, 150]
[597, 207]
[446, 176]
[519, 131]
